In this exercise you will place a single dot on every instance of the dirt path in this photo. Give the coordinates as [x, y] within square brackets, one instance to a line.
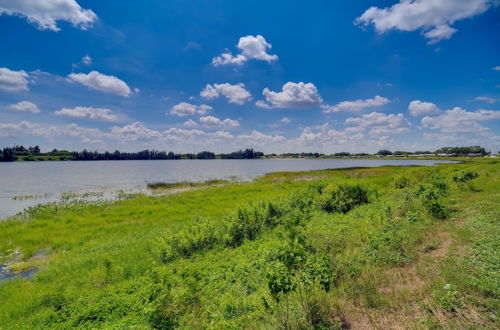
[404, 289]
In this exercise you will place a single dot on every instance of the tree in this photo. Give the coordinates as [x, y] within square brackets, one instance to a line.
[384, 152]
[8, 155]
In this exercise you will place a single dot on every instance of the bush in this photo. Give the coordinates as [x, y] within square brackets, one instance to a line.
[342, 198]
[200, 237]
[464, 179]
[247, 224]
[430, 195]
[413, 217]
[401, 182]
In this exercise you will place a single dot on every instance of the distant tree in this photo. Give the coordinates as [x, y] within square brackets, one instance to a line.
[384, 152]
[8, 155]
[205, 155]
[475, 150]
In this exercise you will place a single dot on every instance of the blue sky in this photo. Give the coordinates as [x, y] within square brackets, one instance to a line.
[325, 76]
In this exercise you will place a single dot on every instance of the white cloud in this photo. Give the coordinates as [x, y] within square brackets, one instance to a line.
[45, 13]
[257, 138]
[9, 130]
[228, 58]
[433, 17]
[221, 135]
[190, 123]
[134, 132]
[458, 120]
[438, 33]
[182, 135]
[419, 108]
[187, 109]
[87, 60]
[496, 68]
[214, 122]
[25, 106]
[356, 106]
[251, 47]
[24, 128]
[88, 112]
[292, 95]
[286, 120]
[487, 99]
[195, 136]
[13, 81]
[380, 124]
[236, 94]
[101, 82]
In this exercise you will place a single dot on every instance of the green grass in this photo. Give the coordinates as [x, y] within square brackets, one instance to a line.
[291, 250]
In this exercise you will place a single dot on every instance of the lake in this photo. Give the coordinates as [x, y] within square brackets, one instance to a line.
[25, 184]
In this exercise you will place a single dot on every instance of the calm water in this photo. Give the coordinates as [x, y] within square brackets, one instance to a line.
[47, 180]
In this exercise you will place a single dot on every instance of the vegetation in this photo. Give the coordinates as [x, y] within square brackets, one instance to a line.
[21, 153]
[463, 151]
[465, 178]
[377, 247]
[33, 153]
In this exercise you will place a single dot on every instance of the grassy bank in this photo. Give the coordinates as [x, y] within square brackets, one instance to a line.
[376, 247]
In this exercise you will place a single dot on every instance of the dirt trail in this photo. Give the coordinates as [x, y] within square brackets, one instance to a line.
[407, 285]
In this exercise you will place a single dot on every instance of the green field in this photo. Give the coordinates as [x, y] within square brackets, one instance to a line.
[391, 247]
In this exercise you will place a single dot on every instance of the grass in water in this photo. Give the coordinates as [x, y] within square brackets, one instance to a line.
[375, 247]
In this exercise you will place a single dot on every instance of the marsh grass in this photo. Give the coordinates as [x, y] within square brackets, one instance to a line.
[35, 196]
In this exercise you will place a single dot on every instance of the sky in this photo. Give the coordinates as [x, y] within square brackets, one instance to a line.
[220, 75]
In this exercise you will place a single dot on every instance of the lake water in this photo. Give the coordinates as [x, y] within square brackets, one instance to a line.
[24, 184]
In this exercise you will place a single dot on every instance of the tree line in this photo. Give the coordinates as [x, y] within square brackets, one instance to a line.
[10, 154]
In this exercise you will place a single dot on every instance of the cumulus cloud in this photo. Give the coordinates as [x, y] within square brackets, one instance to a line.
[187, 109]
[257, 138]
[458, 120]
[286, 120]
[214, 122]
[190, 123]
[45, 13]
[25, 106]
[419, 108]
[433, 18]
[134, 132]
[101, 82]
[236, 94]
[292, 95]
[487, 99]
[13, 81]
[251, 47]
[195, 136]
[88, 113]
[24, 128]
[182, 135]
[356, 106]
[379, 124]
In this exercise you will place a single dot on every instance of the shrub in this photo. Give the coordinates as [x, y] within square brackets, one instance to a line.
[200, 237]
[413, 217]
[401, 182]
[464, 179]
[430, 195]
[342, 198]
